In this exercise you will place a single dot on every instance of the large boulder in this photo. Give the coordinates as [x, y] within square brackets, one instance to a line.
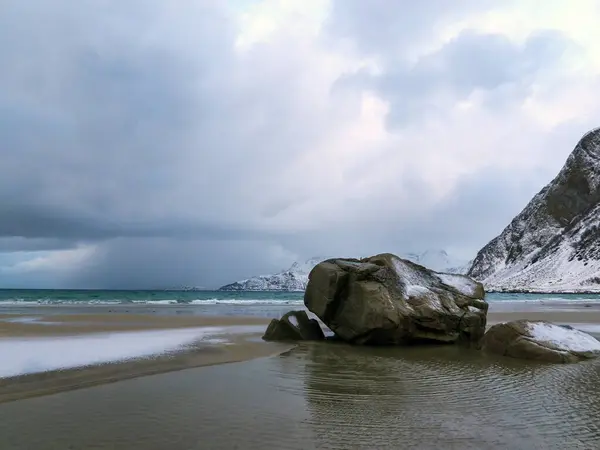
[385, 300]
[541, 341]
[294, 326]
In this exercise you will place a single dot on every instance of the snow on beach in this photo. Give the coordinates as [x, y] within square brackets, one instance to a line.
[21, 356]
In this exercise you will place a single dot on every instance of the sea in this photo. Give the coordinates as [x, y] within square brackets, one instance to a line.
[220, 303]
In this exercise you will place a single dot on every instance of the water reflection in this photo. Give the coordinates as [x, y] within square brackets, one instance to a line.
[434, 397]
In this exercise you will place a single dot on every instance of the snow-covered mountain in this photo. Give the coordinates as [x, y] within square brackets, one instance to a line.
[440, 261]
[293, 279]
[296, 277]
[553, 245]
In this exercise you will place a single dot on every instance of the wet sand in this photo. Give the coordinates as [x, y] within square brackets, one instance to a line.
[325, 396]
[591, 316]
[36, 324]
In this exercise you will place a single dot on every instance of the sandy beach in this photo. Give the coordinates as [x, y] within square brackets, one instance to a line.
[258, 395]
[231, 339]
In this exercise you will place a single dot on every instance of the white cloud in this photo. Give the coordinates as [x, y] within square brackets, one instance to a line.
[266, 20]
[56, 261]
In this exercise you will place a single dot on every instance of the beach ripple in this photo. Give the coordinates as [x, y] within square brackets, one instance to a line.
[450, 397]
[326, 396]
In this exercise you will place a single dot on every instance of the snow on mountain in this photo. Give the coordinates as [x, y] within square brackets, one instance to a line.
[439, 260]
[296, 277]
[553, 245]
[293, 279]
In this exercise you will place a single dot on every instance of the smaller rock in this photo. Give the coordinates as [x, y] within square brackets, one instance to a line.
[541, 341]
[294, 326]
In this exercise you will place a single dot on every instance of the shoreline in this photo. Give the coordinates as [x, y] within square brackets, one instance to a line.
[542, 292]
[36, 323]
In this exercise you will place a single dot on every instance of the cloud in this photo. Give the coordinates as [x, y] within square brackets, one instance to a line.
[395, 28]
[152, 144]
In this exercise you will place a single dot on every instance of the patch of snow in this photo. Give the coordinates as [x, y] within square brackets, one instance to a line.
[32, 355]
[293, 320]
[461, 283]
[417, 284]
[413, 290]
[408, 275]
[473, 309]
[565, 339]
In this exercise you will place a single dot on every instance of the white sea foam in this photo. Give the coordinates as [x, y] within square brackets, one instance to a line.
[31, 355]
[156, 302]
[166, 302]
[214, 301]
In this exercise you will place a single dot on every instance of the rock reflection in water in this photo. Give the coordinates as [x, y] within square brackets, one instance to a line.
[432, 397]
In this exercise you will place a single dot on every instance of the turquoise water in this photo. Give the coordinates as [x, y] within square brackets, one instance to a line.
[24, 297]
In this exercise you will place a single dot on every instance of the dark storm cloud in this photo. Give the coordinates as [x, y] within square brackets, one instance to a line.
[134, 128]
[162, 263]
[138, 129]
[21, 244]
[112, 136]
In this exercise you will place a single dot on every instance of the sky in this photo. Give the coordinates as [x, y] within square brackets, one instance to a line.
[153, 144]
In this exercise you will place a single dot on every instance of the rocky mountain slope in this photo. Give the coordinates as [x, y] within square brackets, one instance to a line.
[553, 245]
[440, 261]
[293, 279]
[296, 277]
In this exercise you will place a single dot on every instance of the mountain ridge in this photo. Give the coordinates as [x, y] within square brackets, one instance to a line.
[295, 278]
[553, 244]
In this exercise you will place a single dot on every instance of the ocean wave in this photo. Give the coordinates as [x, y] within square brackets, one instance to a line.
[38, 302]
[542, 299]
[164, 302]
[156, 302]
[256, 300]
[215, 301]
